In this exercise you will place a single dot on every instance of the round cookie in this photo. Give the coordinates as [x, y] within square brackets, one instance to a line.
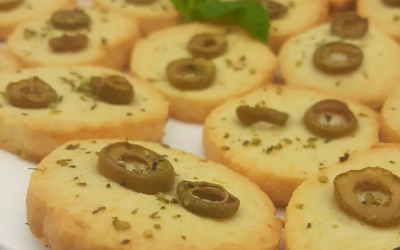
[73, 208]
[280, 158]
[34, 133]
[245, 65]
[7, 63]
[383, 16]
[110, 38]
[366, 84]
[390, 125]
[27, 10]
[150, 17]
[314, 221]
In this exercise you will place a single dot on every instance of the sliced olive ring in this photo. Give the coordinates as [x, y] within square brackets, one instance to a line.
[351, 58]
[207, 199]
[208, 45]
[152, 172]
[348, 25]
[139, 2]
[312, 119]
[395, 3]
[67, 43]
[70, 19]
[276, 10]
[31, 93]
[371, 179]
[191, 73]
[249, 115]
[9, 4]
[112, 89]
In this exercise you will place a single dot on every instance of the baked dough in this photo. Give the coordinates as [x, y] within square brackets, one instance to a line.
[370, 84]
[390, 124]
[7, 63]
[155, 16]
[295, 154]
[60, 212]
[385, 18]
[314, 221]
[111, 37]
[246, 65]
[29, 9]
[34, 133]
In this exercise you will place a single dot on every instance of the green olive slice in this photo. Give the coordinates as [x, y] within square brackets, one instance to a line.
[250, 115]
[191, 73]
[70, 19]
[31, 93]
[151, 173]
[9, 4]
[317, 119]
[276, 10]
[67, 43]
[208, 45]
[369, 182]
[338, 58]
[395, 3]
[207, 199]
[112, 89]
[348, 25]
[139, 2]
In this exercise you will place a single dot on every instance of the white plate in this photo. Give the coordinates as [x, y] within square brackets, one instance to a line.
[14, 180]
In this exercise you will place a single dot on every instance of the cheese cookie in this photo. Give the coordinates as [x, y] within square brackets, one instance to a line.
[279, 136]
[145, 196]
[351, 205]
[73, 38]
[7, 62]
[45, 107]
[390, 124]
[198, 67]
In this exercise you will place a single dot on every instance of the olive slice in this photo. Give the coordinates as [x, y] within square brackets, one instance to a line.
[249, 115]
[139, 2]
[112, 89]
[151, 173]
[67, 43]
[191, 73]
[317, 119]
[70, 19]
[348, 25]
[208, 45]
[276, 10]
[31, 93]
[207, 199]
[338, 58]
[348, 186]
[395, 3]
[9, 4]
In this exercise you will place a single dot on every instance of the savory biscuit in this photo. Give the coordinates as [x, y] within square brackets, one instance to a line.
[242, 65]
[279, 158]
[314, 220]
[7, 63]
[75, 38]
[383, 16]
[71, 205]
[15, 12]
[366, 67]
[390, 124]
[150, 17]
[34, 121]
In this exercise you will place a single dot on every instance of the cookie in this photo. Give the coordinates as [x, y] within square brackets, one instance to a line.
[150, 17]
[279, 154]
[45, 107]
[7, 63]
[383, 16]
[314, 219]
[390, 126]
[75, 207]
[13, 13]
[240, 64]
[89, 37]
[304, 60]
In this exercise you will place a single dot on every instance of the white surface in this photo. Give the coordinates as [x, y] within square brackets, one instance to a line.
[14, 180]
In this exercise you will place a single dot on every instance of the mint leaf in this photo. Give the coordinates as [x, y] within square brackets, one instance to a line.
[187, 7]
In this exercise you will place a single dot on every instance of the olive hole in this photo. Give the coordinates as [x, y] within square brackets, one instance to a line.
[338, 57]
[349, 24]
[209, 43]
[372, 192]
[134, 163]
[210, 194]
[331, 119]
[188, 70]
